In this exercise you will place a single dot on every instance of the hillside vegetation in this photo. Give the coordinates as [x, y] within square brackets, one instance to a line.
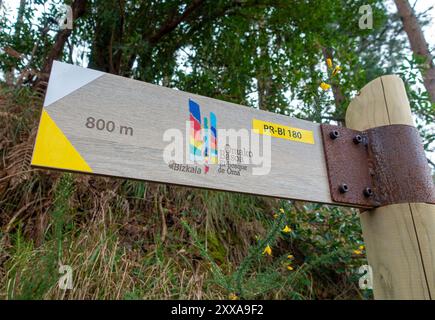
[133, 240]
[128, 239]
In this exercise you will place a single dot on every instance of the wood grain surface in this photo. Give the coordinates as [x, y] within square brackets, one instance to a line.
[400, 238]
[297, 169]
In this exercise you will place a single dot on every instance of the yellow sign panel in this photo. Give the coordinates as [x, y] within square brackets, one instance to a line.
[53, 149]
[283, 132]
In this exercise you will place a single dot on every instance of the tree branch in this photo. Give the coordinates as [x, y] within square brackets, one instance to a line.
[78, 8]
[174, 20]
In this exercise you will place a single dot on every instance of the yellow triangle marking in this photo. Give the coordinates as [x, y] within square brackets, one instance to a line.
[53, 149]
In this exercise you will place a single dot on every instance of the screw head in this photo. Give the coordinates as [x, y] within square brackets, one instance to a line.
[343, 188]
[334, 134]
[368, 192]
[357, 139]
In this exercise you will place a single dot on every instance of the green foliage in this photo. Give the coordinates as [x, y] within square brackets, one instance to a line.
[60, 212]
[263, 54]
[118, 252]
[411, 69]
[326, 240]
[36, 268]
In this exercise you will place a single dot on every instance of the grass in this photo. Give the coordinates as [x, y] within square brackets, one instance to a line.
[136, 240]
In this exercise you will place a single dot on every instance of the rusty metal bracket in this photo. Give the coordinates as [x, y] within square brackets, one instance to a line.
[377, 167]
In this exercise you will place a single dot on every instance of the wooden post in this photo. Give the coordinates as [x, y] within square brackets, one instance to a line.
[399, 238]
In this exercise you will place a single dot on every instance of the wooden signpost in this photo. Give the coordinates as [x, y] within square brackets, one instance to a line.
[103, 124]
[399, 238]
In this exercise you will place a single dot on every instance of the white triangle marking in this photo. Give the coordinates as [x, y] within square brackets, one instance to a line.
[66, 78]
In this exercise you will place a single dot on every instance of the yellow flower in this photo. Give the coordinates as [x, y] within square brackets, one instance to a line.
[275, 215]
[357, 252]
[325, 86]
[286, 229]
[233, 296]
[290, 268]
[268, 250]
[329, 62]
[336, 70]
[281, 210]
[361, 247]
[290, 256]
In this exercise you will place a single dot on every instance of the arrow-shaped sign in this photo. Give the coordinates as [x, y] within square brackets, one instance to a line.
[104, 124]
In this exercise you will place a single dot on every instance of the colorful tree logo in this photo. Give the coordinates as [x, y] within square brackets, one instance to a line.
[203, 137]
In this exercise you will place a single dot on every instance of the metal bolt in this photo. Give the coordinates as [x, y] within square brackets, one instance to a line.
[368, 192]
[343, 188]
[357, 139]
[334, 134]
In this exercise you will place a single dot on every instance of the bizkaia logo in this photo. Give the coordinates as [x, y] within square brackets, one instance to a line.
[202, 145]
[203, 137]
